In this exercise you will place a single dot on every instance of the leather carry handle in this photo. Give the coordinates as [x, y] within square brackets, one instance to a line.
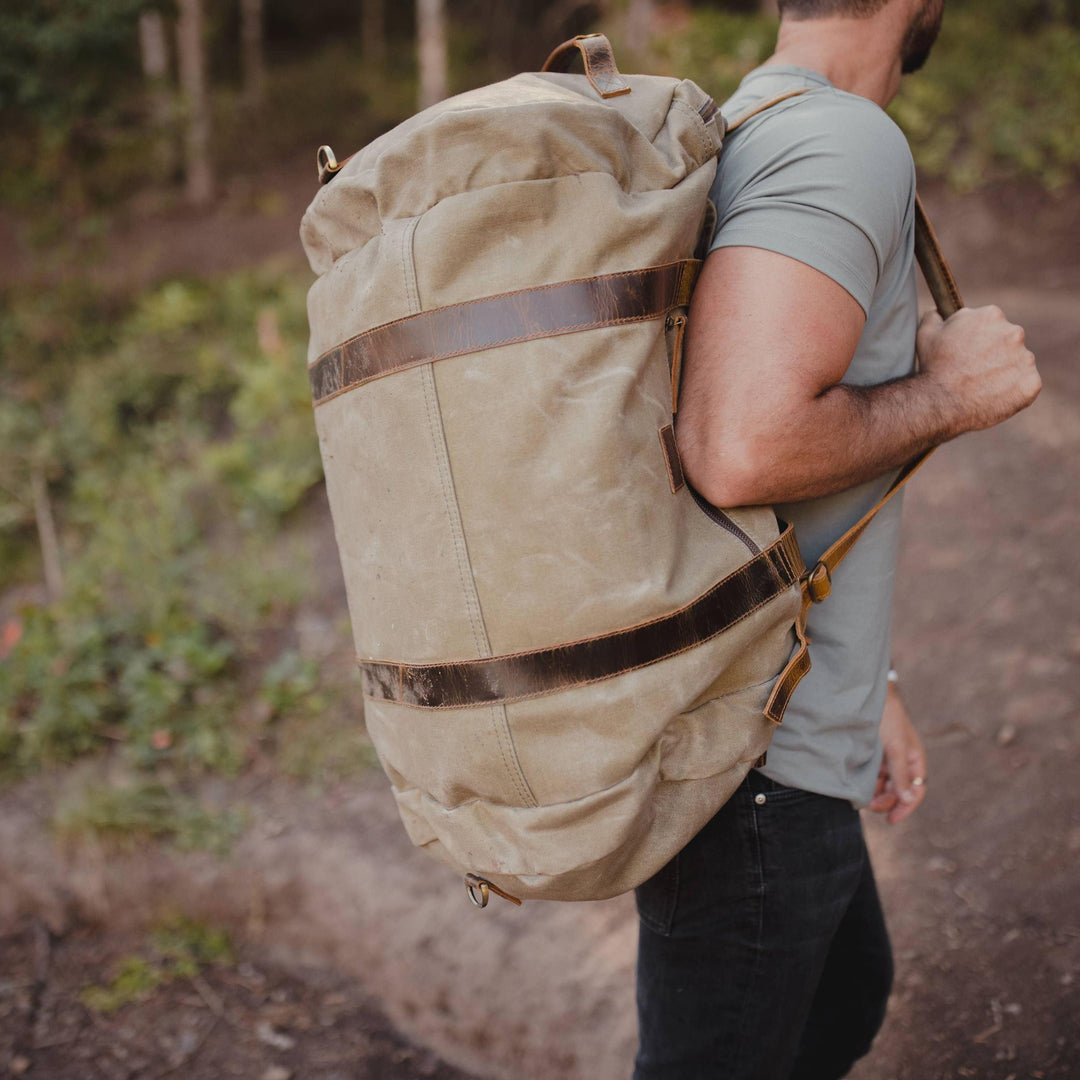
[599, 60]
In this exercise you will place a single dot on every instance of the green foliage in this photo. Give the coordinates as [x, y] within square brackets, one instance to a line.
[136, 980]
[179, 949]
[192, 944]
[994, 104]
[67, 72]
[177, 443]
[147, 810]
[999, 98]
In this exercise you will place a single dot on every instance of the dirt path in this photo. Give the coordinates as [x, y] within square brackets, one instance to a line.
[982, 885]
[243, 1018]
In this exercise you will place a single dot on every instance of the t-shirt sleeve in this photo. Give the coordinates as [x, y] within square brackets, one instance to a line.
[829, 180]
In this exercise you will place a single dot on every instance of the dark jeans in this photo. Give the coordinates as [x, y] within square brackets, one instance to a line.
[763, 953]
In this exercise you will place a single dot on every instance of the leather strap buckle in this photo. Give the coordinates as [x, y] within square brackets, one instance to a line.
[818, 583]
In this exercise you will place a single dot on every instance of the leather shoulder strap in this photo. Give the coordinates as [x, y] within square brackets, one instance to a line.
[946, 295]
[943, 289]
[761, 106]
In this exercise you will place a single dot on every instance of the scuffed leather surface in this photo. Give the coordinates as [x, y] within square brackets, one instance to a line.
[599, 61]
[487, 323]
[513, 677]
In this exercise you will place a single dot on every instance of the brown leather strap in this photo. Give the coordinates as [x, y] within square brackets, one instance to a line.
[760, 107]
[546, 311]
[946, 296]
[939, 278]
[599, 62]
[515, 676]
[817, 582]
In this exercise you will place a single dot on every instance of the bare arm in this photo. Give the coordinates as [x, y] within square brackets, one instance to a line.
[763, 416]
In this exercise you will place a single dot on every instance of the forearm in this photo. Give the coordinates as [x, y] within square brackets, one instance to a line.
[843, 437]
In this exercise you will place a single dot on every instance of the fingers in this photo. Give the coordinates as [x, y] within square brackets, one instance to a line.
[906, 809]
[910, 797]
[884, 798]
[883, 803]
[929, 326]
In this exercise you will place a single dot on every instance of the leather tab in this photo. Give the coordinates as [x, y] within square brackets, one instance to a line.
[599, 60]
[677, 325]
[671, 458]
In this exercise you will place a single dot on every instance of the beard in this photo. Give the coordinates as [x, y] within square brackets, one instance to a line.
[921, 36]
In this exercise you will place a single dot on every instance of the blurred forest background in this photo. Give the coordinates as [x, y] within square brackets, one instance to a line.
[169, 595]
[141, 419]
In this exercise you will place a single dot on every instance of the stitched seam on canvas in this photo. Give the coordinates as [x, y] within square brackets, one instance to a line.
[496, 710]
[699, 130]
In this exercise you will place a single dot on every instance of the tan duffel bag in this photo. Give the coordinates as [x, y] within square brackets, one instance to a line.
[569, 659]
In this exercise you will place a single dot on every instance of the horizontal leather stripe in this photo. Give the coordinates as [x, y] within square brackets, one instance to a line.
[546, 311]
[514, 676]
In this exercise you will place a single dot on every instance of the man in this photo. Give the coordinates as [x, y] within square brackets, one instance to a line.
[763, 951]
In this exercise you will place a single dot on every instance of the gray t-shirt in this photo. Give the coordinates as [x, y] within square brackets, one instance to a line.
[828, 179]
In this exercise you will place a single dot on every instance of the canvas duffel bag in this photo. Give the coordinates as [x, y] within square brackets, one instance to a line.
[569, 659]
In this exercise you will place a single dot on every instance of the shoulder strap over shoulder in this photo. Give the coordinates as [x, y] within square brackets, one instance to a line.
[817, 582]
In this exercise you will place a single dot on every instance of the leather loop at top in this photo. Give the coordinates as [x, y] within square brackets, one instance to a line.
[599, 62]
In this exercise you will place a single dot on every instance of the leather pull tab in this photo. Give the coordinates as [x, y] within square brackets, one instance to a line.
[599, 60]
[676, 478]
[677, 325]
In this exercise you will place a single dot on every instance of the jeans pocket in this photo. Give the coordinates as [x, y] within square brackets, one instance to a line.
[658, 898]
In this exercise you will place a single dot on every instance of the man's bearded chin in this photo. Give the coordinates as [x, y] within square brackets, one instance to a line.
[921, 36]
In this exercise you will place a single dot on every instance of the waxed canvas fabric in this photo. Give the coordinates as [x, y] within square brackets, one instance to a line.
[518, 497]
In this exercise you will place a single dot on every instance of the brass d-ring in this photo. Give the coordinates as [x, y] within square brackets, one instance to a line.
[473, 885]
[326, 164]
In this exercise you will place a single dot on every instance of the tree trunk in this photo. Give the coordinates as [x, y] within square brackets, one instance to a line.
[639, 24]
[373, 31]
[46, 528]
[193, 84]
[502, 27]
[154, 53]
[431, 50]
[251, 52]
[153, 46]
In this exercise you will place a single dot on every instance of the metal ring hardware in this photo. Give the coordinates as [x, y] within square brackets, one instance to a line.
[819, 583]
[475, 884]
[326, 164]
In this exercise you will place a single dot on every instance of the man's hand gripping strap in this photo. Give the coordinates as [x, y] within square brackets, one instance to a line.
[817, 582]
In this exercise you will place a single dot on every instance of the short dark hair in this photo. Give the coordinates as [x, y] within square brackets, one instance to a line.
[815, 9]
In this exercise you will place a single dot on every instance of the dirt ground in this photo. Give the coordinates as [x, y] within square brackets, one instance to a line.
[245, 1019]
[982, 886]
